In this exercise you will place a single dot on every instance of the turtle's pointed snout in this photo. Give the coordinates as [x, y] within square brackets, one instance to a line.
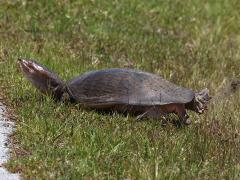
[24, 61]
[21, 61]
[25, 66]
[31, 67]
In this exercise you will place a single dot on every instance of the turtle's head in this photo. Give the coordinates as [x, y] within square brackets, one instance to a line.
[42, 78]
[201, 100]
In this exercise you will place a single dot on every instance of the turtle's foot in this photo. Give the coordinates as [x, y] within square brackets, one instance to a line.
[183, 116]
[187, 121]
[178, 122]
[164, 121]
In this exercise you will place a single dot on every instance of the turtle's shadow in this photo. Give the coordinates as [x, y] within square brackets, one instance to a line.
[170, 120]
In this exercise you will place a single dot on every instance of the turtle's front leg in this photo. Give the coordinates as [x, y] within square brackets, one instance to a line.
[182, 113]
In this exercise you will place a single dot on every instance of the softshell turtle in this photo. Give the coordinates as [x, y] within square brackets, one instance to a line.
[124, 90]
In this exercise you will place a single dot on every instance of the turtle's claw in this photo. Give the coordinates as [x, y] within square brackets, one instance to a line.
[187, 122]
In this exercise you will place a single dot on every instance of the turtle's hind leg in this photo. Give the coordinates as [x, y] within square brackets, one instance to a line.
[152, 112]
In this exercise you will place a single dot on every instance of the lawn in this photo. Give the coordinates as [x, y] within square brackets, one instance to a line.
[193, 43]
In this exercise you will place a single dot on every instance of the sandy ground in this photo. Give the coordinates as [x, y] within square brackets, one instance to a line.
[6, 128]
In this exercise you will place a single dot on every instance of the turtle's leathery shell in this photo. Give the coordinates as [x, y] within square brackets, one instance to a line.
[126, 86]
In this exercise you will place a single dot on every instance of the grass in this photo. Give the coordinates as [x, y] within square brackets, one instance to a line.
[194, 44]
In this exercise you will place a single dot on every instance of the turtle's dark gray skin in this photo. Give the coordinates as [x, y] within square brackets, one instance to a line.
[125, 90]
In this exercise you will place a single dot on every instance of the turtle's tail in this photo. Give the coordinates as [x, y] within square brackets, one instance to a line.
[42, 78]
[201, 100]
